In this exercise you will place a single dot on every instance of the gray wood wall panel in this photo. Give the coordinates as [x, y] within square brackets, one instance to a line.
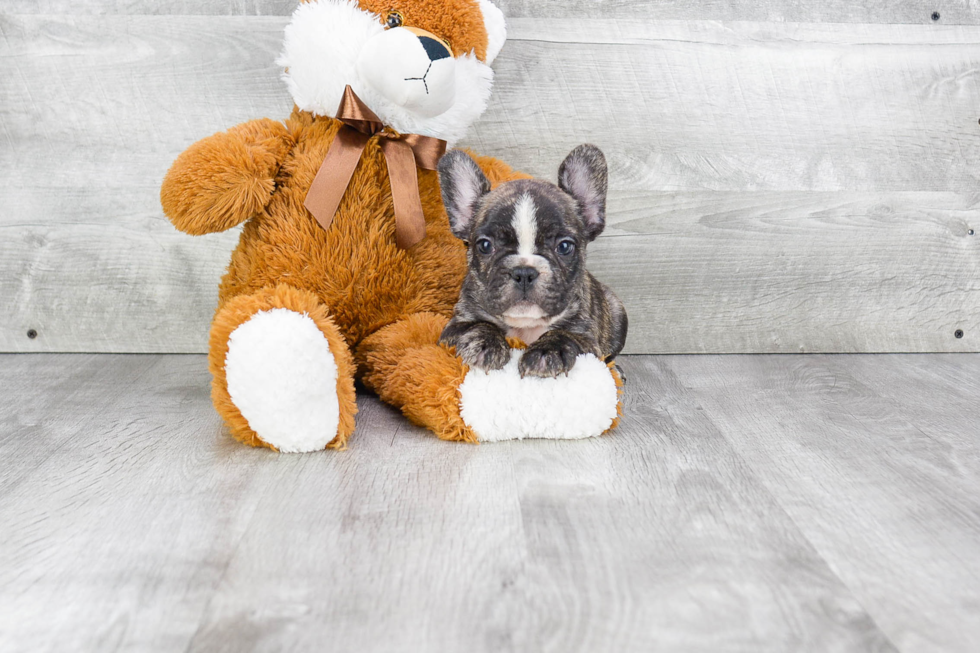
[950, 12]
[775, 187]
[742, 106]
[794, 272]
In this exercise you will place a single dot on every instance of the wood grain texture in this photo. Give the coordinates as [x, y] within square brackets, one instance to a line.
[642, 542]
[798, 11]
[699, 273]
[149, 529]
[882, 447]
[950, 12]
[794, 272]
[32, 428]
[742, 106]
[130, 465]
[677, 106]
[787, 187]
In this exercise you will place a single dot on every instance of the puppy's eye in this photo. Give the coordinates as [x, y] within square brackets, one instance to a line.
[394, 20]
[484, 246]
[565, 247]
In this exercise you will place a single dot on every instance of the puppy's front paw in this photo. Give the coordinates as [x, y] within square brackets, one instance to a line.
[549, 359]
[483, 348]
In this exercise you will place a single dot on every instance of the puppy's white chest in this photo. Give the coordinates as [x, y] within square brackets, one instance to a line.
[526, 329]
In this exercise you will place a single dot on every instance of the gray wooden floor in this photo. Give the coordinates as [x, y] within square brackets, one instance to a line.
[747, 503]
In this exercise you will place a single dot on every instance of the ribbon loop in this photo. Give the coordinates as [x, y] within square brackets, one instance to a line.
[402, 152]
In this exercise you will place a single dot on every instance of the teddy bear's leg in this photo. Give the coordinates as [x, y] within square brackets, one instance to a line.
[283, 376]
[407, 368]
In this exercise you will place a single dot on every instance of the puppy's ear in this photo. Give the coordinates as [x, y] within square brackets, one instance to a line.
[463, 185]
[583, 176]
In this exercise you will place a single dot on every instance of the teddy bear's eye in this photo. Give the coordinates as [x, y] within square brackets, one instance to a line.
[394, 20]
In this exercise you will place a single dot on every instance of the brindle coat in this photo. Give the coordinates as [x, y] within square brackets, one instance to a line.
[526, 250]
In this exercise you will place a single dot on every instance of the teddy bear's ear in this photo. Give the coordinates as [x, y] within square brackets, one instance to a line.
[493, 19]
[463, 184]
[583, 175]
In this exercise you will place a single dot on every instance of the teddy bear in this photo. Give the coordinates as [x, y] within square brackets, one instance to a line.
[346, 267]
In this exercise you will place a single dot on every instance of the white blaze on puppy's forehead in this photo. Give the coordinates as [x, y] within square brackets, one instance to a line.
[525, 223]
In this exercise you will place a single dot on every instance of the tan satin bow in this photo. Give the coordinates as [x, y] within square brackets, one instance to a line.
[402, 152]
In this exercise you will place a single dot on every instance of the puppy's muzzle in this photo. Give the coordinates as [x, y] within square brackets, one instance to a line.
[524, 277]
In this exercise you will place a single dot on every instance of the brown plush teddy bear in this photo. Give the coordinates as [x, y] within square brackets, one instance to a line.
[346, 265]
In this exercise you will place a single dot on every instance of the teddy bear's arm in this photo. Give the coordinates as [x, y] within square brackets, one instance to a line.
[225, 179]
[496, 170]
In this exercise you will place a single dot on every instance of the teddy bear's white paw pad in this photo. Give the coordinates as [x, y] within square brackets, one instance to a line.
[500, 405]
[283, 379]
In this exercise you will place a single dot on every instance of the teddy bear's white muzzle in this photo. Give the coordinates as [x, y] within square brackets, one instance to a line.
[408, 71]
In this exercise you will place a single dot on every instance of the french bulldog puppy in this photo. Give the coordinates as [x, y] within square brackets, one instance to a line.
[526, 244]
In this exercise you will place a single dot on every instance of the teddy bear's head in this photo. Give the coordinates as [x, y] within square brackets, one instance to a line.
[423, 66]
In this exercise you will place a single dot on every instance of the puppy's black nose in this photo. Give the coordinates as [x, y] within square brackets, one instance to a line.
[435, 49]
[524, 277]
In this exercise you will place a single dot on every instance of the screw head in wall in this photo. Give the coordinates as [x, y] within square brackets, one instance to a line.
[958, 333]
[31, 333]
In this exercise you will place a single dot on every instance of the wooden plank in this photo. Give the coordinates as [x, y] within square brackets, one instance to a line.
[643, 512]
[852, 454]
[737, 106]
[32, 425]
[699, 273]
[153, 7]
[950, 12]
[794, 272]
[780, 11]
[151, 530]
[742, 106]
[107, 103]
[116, 540]
[646, 540]
[764, 113]
[120, 286]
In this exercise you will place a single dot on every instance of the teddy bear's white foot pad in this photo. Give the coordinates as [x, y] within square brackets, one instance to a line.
[500, 405]
[283, 379]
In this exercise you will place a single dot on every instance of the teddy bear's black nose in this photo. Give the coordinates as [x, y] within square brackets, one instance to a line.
[435, 49]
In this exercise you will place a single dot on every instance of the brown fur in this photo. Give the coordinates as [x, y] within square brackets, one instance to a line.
[351, 279]
[406, 368]
[460, 23]
[238, 168]
[236, 312]
[373, 302]
[620, 390]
